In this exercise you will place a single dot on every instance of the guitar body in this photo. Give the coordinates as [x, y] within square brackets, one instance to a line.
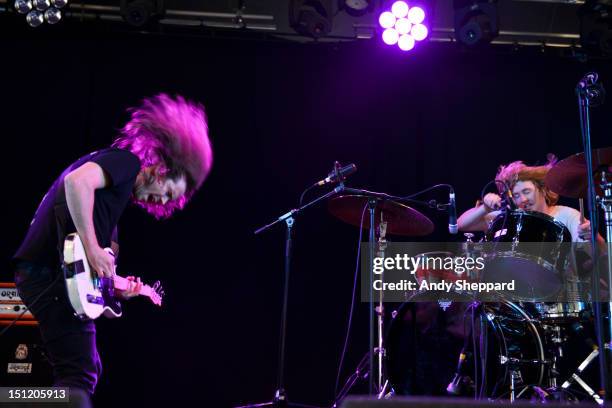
[89, 295]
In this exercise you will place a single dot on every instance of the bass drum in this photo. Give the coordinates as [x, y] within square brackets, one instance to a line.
[425, 339]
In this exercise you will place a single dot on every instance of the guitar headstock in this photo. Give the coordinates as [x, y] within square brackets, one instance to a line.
[157, 293]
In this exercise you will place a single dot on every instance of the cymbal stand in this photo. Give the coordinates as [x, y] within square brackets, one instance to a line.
[382, 245]
[576, 377]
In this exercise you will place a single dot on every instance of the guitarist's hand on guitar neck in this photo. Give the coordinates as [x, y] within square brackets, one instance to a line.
[134, 288]
[101, 261]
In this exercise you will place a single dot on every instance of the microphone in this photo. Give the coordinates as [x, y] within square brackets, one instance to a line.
[588, 80]
[340, 175]
[509, 201]
[452, 213]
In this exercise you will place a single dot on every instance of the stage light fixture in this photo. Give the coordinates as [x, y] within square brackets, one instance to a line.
[476, 22]
[356, 8]
[35, 18]
[59, 3]
[39, 11]
[23, 6]
[403, 25]
[386, 19]
[53, 15]
[390, 36]
[596, 27]
[312, 18]
[406, 42]
[41, 5]
[400, 9]
[139, 13]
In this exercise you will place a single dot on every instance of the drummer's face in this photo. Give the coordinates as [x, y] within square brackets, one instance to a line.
[528, 197]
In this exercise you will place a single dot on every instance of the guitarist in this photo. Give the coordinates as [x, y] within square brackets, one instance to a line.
[159, 160]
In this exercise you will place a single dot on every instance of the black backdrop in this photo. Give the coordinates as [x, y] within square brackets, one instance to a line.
[280, 114]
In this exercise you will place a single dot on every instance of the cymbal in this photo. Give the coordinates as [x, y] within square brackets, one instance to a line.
[401, 219]
[569, 176]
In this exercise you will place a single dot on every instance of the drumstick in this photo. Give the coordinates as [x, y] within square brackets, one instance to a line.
[581, 201]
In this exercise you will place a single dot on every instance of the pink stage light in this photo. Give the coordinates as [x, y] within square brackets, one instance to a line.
[416, 15]
[387, 19]
[419, 32]
[406, 42]
[403, 25]
[399, 9]
[390, 36]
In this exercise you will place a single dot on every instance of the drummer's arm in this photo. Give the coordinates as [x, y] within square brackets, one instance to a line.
[473, 219]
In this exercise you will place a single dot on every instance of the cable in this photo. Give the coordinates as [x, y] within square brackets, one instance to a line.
[425, 191]
[304, 194]
[350, 320]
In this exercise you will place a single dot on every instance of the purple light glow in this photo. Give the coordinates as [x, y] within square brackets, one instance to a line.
[399, 9]
[419, 32]
[386, 19]
[390, 36]
[416, 15]
[403, 26]
[406, 42]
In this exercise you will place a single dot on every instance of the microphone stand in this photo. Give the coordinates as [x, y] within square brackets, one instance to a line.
[591, 94]
[280, 396]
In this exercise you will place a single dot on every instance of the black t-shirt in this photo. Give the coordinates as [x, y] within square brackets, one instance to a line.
[42, 242]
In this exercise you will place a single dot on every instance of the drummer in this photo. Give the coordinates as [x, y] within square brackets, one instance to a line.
[529, 193]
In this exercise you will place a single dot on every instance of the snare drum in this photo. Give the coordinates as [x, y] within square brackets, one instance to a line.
[561, 312]
[533, 251]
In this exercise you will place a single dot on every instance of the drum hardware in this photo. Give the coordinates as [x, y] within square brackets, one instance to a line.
[576, 375]
[386, 216]
[380, 350]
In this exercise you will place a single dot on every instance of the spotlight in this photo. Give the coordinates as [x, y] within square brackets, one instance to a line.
[386, 19]
[476, 23]
[312, 18]
[406, 42]
[356, 8]
[595, 27]
[53, 15]
[59, 3]
[403, 25]
[23, 6]
[35, 18]
[399, 9]
[41, 5]
[390, 36]
[140, 12]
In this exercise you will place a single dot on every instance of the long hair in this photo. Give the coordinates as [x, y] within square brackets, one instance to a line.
[519, 171]
[172, 135]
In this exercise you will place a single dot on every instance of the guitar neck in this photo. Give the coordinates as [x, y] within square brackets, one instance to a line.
[121, 283]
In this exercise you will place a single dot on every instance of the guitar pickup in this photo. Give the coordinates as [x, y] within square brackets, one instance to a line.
[95, 299]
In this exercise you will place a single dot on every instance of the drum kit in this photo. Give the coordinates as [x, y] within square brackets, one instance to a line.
[538, 344]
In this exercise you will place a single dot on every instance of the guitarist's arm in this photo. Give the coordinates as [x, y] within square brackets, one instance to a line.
[80, 185]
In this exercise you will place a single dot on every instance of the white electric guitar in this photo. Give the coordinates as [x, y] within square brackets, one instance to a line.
[91, 296]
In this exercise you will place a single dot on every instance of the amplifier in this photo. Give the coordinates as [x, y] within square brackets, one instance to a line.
[11, 305]
[23, 362]
[8, 293]
[22, 358]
